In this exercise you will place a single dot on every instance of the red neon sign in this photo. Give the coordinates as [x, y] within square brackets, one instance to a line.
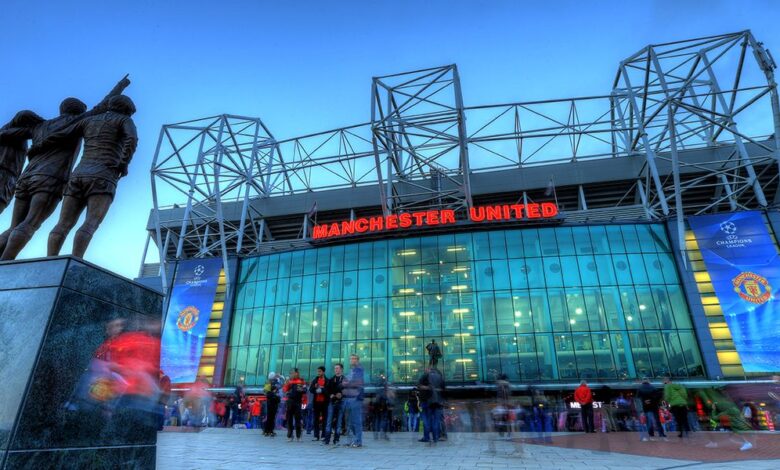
[381, 223]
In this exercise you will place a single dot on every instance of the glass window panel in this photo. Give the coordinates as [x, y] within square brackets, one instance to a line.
[395, 252]
[674, 352]
[641, 355]
[655, 345]
[492, 356]
[552, 271]
[336, 321]
[380, 283]
[514, 243]
[268, 324]
[364, 319]
[432, 314]
[637, 265]
[350, 290]
[518, 276]
[575, 303]
[285, 264]
[528, 365]
[296, 266]
[570, 271]
[379, 320]
[540, 311]
[411, 254]
[464, 240]
[564, 350]
[349, 321]
[660, 238]
[509, 361]
[530, 239]
[534, 271]
[365, 255]
[586, 362]
[613, 308]
[337, 258]
[320, 323]
[621, 350]
[487, 310]
[505, 312]
[691, 354]
[350, 257]
[647, 243]
[365, 283]
[500, 271]
[620, 262]
[558, 313]
[615, 239]
[484, 275]
[668, 268]
[323, 285]
[599, 240]
[647, 309]
[521, 316]
[588, 270]
[380, 254]
[547, 242]
[582, 243]
[429, 250]
[546, 354]
[679, 306]
[305, 325]
[663, 307]
[248, 271]
[565, 241]
[289, 291]
[497, 244]
[630, 238]
[270, 292]
[602, 352]
[594, 307]
[256, 316]
[309, 262]
[630, 308]
[481, 245]
[335, 285]
[307, 288]
[323, 261]
[260, 290]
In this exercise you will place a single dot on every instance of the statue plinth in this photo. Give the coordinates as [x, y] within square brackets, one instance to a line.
[55, 315]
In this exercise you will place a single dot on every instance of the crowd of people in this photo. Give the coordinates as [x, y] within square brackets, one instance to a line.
[332, 405]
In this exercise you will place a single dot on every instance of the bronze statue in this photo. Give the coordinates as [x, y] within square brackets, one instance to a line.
[110, 140]
[43, 181]
[13, 146]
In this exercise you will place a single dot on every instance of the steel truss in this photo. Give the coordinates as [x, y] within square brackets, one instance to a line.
[669, 103]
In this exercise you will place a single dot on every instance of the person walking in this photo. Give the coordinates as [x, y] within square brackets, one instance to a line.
[255, 413]
[648, 396]
[318, 389]
[295, 391]
[584, 397]
[431, 386]
[272, 400]
[677, 397]
[412, 408]
[353, 393]
[334, 391]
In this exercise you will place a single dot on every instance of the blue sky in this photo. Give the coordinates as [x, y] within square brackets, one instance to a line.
[307, 66]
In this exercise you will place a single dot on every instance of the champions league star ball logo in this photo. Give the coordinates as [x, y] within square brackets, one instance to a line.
[752, 287]
[729, 228]
[187, 318]
[199, 270]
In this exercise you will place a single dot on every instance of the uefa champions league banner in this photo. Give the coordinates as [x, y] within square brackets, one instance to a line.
[744, 267]
[187, 320]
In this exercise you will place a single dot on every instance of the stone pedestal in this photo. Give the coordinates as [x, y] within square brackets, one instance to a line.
[54, 314]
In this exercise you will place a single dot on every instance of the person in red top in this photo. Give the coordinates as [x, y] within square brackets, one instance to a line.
[317, 388]
[254, 410]
[584, 397]
[295, 391]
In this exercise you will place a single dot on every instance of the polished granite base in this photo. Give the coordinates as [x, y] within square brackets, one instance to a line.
[54, 315]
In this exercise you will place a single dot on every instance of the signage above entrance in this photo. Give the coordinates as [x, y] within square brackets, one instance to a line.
[407, 220]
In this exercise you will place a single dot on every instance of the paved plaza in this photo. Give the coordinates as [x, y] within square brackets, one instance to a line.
[240, 449]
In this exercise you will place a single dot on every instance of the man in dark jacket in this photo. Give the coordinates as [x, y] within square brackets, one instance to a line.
[649, 396]
[431, 386]
[318, 388]
[333, 391]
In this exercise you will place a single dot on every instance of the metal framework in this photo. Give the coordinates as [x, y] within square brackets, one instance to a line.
[700, 117]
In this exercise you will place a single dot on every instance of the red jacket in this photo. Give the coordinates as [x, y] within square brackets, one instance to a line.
[583, 395]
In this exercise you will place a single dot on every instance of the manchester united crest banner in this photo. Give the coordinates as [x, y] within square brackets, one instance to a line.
[187, 320]
[744, 268]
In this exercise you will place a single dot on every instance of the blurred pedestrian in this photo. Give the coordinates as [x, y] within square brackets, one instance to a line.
[649, 398]
[353, 393]
[431, 386]
[334, 390]
[584, 397]
[271, 390]
[677, 397]
[295, 391]
[318, 389]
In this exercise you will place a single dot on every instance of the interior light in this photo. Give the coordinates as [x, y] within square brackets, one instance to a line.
[419, 271]
[462, 360]
[364, 322]
[460, 310]
[452, 249]
[459, 287]
[578, 311]
[460, 269]
[462, 334]
[407, 253]
[517, 324]
[630, 318]
[407, 314]
[470, 327]
[314, 323]
[518, 313]
[406, 291]
[407, 337]
[642, 306]
[408, 362]
[572, 321]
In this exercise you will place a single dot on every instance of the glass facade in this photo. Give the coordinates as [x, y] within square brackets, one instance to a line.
[547, 304]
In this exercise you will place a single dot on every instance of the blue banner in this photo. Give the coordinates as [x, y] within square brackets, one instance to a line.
[187, 320]
[744, 267]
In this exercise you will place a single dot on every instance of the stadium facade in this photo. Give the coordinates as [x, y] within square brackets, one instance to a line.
[549, 240]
